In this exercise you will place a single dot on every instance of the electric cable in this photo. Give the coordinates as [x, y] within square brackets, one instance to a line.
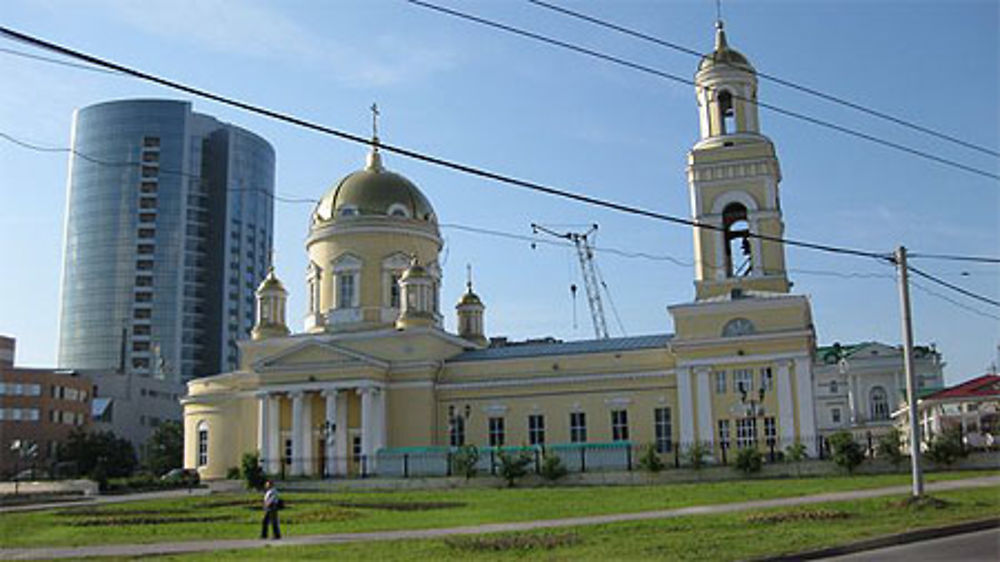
[952, 286]
[416, 155]
[770, 77]
[687, 81]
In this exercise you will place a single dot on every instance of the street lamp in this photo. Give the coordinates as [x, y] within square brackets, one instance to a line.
[754, 406]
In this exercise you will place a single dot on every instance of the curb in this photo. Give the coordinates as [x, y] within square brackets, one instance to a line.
[890, 540]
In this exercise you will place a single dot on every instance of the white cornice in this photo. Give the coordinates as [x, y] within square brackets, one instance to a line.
[676, 344]
[535, 381]
[747, 304]
[739, 359]
[418, 229]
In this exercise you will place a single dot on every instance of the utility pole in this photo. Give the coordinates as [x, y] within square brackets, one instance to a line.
[911, 386]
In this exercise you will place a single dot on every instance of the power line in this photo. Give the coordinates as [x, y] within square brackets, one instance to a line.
[677, 78]
[787, 83]
[168, 171]
[953, 257]
[953, 301]
[953, 287]
[55, 61]
[464, 168]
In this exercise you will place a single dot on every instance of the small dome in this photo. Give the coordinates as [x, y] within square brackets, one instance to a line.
[415, 271]
[470, 298]
[723, 54]
[271, 283]
[374, 191]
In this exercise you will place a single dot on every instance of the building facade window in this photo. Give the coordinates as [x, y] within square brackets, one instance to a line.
[743, 380]
[202, 444]
[746, 432]
[536, 429]
[835, 415]
[770, 431]
[345, 290]
[720, 382]
[833, 387]
[662, 430]
[457, 431]
[497, 434]
[879, 404]
[578, 427]
[619, 425]
[724, 433]
[766, 378]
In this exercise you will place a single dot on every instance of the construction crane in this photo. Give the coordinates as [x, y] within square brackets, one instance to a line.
[591, 281]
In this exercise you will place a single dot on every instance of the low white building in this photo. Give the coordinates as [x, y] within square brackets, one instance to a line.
[972, 406]
[857, 387]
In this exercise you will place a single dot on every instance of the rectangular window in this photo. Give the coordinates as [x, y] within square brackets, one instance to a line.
[345, 290]
[142, 313]
[720, 382]
[147, 187]
[150, 156]
[149, 171]
[536, 429]
[394, 291]
[146, 248]
[147, 202]
[288, 451]
[140, 346]
[746, 432]
[32, 390]
[143, 281]
[743, 380]
[143, 297]
[141, 330]
[496, 432]
[835, 415]
[144, 265]
[147, 217]
[31, 414]
[619, 425]
[724, 433]
[456, 431]
[578, 427]
[151, 142]
[770, 431]
[355, 447]
[766, 378]
[663, 430]
[202, 446]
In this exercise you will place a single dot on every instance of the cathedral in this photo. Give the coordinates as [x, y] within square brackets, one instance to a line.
[374, 374]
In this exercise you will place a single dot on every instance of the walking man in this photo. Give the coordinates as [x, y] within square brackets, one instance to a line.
[271, 505]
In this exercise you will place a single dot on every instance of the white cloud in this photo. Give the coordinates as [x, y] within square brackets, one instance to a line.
[252, 29]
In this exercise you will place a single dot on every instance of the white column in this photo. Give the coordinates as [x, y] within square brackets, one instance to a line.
[331, 429]
[274, 435]
[685, 403]
[341, 443]
[786, 407]
[297, 419]
[807, 411]
[852, 398]
[263, 427]
[367, 435]
[308, 445]
[381, 426]
[705, 432]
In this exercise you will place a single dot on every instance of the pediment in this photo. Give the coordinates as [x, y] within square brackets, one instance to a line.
[316, 355]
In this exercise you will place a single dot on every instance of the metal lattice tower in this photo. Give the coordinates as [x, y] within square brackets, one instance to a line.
[591, 281]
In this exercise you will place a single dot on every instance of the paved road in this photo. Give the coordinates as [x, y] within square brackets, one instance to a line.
[980, 546]
[213, 545]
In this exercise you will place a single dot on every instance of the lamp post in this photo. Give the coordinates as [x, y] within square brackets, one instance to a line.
[754, 406]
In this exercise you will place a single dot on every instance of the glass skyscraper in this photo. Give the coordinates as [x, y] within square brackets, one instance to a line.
[168, 232]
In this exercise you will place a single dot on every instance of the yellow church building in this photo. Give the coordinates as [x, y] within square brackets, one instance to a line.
[374, 376]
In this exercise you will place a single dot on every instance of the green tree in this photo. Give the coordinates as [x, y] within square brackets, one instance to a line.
[697, 455]
[553, 468]
[946, 447]
[99, 453]
[749, 460]
[464, 461]
[251, 471]
[796, 453]
[651, 461]
[890, 446]
[165, 448]
[847, 454]
[514, 466]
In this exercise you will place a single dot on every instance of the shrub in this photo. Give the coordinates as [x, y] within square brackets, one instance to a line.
[464, 461]
[553, 468]
[650, 460]
[233, 473]
[696, 455]
[847, 454]
[252, 472]
[749, 460]
[514, 466]
[890, 446]
[165, 448]
[795, 452]
[946, 447]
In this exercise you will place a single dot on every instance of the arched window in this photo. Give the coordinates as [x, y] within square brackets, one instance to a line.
[739, 259]
[879, 401]
[727, 117]
[202, 443]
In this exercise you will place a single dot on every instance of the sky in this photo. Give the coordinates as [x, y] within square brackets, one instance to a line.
[493, 100]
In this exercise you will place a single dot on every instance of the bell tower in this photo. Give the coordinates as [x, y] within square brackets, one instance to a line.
[733, 175]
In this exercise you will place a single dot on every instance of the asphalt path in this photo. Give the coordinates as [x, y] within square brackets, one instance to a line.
[139, 550]
[979, 546]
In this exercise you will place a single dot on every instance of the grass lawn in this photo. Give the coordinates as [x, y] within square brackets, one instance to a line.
[226, 516]
[732, 536]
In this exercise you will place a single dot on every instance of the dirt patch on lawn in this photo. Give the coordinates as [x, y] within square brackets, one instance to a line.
[517, 542]
[400, 506]
[798, 515]
[922, 502]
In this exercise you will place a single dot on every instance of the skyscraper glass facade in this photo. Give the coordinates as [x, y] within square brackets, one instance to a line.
[168, 231]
